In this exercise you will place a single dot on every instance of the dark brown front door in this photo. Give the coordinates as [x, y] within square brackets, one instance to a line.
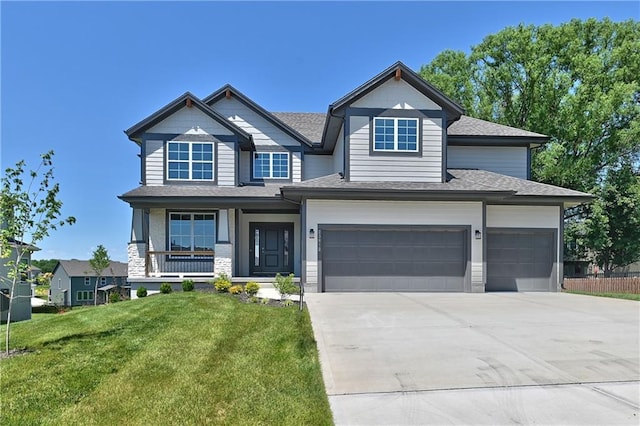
[271, 248]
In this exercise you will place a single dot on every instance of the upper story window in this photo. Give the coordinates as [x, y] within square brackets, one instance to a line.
[190, 160]
[87, 280]
[395, 134]
[271, 165]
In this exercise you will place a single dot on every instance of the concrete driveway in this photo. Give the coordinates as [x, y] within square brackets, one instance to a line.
[494, 358]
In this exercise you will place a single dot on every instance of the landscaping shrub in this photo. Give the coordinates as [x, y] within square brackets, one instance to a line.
[253, 299]
[114, 297]
[236, 289]
[165, 288]
[222, 283]
[47, 309]
[141, 292]
[252, 288]
[285, 285]
[187, 285]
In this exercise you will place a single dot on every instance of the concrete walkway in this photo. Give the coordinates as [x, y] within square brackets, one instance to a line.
[501, 358]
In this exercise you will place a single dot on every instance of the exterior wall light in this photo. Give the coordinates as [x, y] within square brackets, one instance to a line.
[312, 234]
[478, 235]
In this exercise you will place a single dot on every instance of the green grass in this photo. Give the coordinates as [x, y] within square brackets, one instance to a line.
[628, 296]
[184, 358]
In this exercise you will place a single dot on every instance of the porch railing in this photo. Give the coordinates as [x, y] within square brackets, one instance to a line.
[180, 264]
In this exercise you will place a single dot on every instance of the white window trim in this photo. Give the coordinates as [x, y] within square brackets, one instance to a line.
[395, 134]
[84, 296]
[87, 280]
[190, 161]
[192, 213]
[270, 154]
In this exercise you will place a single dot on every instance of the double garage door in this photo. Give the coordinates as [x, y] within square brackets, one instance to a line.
[380, 258]
[434, 258]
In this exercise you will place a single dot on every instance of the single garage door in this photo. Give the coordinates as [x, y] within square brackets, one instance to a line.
[379, 258]
[521, 259]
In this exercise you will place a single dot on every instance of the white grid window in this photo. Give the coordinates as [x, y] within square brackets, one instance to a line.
[190, 161]
[192, 231]
[271, 165]
[395, 134]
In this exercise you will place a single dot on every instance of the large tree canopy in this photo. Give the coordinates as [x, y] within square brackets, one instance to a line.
[578, 83]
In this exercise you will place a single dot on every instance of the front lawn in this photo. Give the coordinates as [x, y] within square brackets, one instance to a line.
[628, 296]
[183, 358]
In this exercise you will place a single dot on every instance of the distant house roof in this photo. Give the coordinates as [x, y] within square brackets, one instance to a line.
[14, 243]
[82, 268]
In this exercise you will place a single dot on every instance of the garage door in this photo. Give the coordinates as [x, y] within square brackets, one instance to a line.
[521, 259]
[379, 258]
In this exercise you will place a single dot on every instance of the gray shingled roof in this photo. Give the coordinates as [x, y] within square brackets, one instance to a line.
[311, 125]
[469, 126]
[81, 268]
[270, 190]
[459, 180]
[308, 124]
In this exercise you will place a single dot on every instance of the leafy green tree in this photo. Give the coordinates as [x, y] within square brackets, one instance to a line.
[577, 83]
[45, 265]
[29, 211]
[611, 232]
[99, 262]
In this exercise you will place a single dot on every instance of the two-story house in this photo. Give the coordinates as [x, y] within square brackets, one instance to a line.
[393, 189]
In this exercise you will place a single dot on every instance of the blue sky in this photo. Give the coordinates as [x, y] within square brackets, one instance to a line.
[74, 75]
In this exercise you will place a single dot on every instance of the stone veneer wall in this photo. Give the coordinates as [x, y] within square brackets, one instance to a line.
[137, 253]
[223, 259]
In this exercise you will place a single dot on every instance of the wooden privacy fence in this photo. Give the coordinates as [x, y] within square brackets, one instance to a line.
[603, 285]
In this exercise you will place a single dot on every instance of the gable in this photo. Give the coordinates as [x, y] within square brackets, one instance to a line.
[263, 131]
[187, 120]
[396, 94]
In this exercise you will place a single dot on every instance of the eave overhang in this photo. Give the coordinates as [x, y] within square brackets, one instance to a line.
[298, 194]
[530, 142]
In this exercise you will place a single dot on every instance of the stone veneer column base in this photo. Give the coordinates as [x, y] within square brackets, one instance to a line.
[223, 259]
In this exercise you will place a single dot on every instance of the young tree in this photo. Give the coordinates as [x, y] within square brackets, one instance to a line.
[29, 211]
[99, 262]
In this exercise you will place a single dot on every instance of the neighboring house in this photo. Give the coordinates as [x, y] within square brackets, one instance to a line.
[74, 281]
[393, 189]
[21, 306]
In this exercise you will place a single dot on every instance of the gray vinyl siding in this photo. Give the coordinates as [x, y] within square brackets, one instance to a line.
[154, 173]
[245, 166]
[506, 160]
[262, 131]
[187, 119]
[226, 163]
[317, 166]
[296, 167]
[395, 166]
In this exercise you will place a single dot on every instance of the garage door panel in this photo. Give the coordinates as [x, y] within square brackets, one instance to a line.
[383, 259]
[521, 259]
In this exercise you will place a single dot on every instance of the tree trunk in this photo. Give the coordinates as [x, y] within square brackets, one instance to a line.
[95, 293]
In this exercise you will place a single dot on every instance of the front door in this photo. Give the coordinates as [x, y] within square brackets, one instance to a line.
[271, 248]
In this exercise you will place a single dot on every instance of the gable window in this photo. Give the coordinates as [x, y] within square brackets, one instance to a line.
[87, 280]
[190, 160]
[192, 232]
[395, 134]
[271, 165]
[103, 281]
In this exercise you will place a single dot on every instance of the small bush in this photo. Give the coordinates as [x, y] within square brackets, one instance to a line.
[252, 288]
[141, 292]
[288, 302]
[47, 309]
[114, 297]
[187, 285]
[253, 299]
[222, 283]
[165, 288]
[285, 285]
[264, 301]
[236, 289]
